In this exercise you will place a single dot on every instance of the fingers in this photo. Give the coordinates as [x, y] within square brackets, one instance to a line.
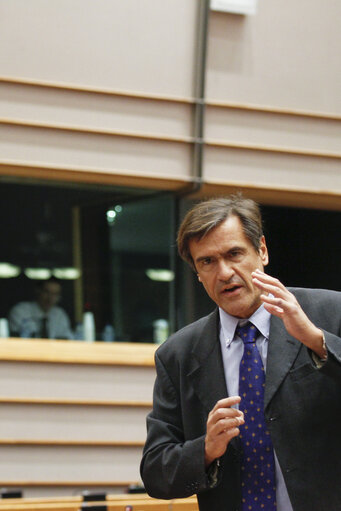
[226, 402]
[223, 416]
[280, 301]
[269, 284]
[273, 305]
[283, 304]
[223, 420]
[222, 425]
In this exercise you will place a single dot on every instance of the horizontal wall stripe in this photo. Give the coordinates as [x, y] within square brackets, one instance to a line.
[272, 110]
[93, 131]
[171, 139]
[53, 462]
[23, 442]
[98, 152]
[48, 423]
[272, 169]
[210, 102]
[63, 381]
[272, 149]
[74, 402]
[73, 174]
[96, 90]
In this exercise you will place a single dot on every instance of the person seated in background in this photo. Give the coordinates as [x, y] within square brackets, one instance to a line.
[41, 318]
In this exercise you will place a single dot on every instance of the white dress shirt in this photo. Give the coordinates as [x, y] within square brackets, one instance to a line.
[28, 316]
[232, 348]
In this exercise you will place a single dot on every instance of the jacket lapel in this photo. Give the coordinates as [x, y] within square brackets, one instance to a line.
[207, 372]
[282, 352]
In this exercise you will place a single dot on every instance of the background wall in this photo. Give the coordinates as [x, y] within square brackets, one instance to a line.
[104, 91]
[132, 45]
[285, 56]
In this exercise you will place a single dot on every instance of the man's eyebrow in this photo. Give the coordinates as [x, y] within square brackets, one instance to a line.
[236, 247]
[231, 249]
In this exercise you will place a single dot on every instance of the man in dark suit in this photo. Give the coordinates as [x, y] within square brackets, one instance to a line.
[247, 401]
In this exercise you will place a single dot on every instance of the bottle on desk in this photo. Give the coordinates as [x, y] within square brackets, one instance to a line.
[108, 334]
[89, 330]
[4, 330]
[160, 330]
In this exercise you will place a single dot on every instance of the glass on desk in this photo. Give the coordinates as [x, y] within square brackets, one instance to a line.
[4, 330]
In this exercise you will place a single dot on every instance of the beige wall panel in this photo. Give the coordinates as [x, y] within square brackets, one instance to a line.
[285, 131]
[48, 463]
[76, 381]
[94, 152]
[48, 422]
[234, 166]
[130, 45]
[287, 55]
[94, 111]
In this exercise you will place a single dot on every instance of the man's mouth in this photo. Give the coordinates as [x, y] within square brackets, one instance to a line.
[232, 289]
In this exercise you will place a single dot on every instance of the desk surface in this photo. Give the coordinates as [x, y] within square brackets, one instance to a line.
[77, 352]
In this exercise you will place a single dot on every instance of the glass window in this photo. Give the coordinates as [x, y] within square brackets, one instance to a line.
[110, 248]
[128, 276]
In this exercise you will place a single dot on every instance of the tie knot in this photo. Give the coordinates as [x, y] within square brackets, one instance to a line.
[248, 332]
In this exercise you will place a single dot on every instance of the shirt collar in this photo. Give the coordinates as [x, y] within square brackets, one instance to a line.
[260, 318]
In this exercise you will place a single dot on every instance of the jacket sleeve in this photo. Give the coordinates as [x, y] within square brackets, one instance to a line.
[327, 316]
[323, 307]
[332, 367]
[171, 467]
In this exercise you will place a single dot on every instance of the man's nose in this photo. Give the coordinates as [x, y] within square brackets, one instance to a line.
[225, 270]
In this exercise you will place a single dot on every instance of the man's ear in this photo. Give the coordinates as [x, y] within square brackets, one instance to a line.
[263, 251]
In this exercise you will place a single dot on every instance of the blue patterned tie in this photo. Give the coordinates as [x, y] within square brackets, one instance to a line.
[258, 466]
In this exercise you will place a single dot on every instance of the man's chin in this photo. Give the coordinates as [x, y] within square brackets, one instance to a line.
[239, 309]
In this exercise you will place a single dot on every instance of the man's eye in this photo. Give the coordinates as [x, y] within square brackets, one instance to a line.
[206, 263]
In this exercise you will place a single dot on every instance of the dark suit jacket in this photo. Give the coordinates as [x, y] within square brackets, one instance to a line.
[302, 408]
